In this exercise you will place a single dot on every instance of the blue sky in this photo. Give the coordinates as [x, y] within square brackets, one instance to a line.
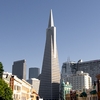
[23, 26]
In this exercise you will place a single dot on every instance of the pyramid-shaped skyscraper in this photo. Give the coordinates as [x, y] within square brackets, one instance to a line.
[50, 75]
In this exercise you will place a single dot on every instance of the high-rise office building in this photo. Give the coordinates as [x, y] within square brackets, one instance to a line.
[50, 75]
[19, 69]
[92, 67]
[66, 69]
[34, 72]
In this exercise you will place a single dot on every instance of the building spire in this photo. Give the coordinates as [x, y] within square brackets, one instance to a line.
[51, 23]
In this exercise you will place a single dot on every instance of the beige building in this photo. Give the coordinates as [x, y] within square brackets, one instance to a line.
[34, 95]
[22, 90]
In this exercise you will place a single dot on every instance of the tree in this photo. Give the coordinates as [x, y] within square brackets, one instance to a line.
[1, 70]
[5, 91]
[76, 95]
[83, 94]
[93, 92]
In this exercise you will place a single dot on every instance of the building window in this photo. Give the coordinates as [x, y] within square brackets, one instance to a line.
[14, 87]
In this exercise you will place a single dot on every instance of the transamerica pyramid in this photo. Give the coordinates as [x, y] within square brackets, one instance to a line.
[50, 75]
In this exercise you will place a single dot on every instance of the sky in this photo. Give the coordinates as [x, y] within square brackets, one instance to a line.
[23, 25]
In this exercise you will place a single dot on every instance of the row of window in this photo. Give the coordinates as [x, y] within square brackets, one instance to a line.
[17, 87]
[16, 96]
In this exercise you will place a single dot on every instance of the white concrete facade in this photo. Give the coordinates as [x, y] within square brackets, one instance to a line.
[35, 84]
[79, 81]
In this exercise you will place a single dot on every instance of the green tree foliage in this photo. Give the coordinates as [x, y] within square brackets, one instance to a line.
[1, 70]
[93, 92]
[83, 94]
[76, 95]
[5, 91]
